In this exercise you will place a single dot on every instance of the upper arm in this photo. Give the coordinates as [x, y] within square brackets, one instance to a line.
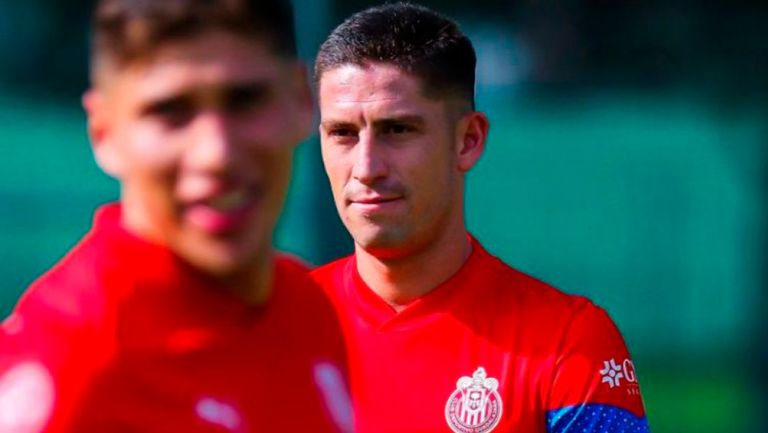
[47, 355]
[595, 387]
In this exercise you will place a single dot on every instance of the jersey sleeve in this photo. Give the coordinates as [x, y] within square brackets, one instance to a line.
[49, 348]
[595, 387]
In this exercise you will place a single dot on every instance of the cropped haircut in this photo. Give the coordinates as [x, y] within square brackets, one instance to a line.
[126, 31]
[418, 40]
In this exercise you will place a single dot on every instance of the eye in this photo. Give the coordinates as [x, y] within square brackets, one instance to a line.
[245, 98]
[342, 132]
[172, 113]
[397, 128]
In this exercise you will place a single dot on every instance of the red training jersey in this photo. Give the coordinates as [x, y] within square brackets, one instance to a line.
[489, 350]
[122, 337]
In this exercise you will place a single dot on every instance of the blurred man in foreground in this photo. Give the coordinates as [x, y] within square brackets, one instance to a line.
[442, 335]
[174, 313]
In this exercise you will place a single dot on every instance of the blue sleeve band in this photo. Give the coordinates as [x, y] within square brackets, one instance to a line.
[595, 418]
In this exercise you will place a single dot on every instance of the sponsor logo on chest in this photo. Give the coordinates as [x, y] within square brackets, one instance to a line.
[475, 406]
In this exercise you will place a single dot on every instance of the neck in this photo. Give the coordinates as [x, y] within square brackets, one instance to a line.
[254, 285]
[402, 279]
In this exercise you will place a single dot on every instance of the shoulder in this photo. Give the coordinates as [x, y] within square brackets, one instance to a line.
[72, 303]
[289, 260]
[333, 275]
[516, 291]
[291, 273]
[569, 316]
[293, 279]
[331, 268]
[304, 309]
[516, 307]
[72, 288]
[573, 323]
[56, 337]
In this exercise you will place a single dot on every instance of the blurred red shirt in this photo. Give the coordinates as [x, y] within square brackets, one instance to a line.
[121, 336]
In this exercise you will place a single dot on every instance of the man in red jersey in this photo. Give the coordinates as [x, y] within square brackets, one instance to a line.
[174, 313]
[443, 336]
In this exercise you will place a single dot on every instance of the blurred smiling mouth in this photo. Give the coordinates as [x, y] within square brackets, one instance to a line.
[224, 212]
[229, 201]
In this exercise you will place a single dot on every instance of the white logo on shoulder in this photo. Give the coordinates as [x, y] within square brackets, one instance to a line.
[475, 406]
[330, 381]
[612, 372]
[27, 396]
[219, 413]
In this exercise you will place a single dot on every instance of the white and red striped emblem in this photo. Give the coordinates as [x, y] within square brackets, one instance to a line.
[475, 406]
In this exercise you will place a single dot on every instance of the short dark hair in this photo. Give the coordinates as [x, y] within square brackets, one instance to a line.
[414, 38]
[128, 30]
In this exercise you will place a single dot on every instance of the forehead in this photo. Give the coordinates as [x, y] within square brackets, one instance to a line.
[372, 83]
[376, 92]
[215, 58]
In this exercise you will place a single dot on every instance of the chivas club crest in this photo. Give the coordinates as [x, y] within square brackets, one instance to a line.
[475, 406]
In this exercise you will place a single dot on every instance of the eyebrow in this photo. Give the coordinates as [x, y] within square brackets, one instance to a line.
[248, 87]
[162, 103]
[226, 90]
[413, 119]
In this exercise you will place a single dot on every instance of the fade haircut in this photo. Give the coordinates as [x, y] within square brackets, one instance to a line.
[418, 40]
[127, 31]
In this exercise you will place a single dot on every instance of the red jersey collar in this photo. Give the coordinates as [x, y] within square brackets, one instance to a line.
[379, 314]
[151, 281]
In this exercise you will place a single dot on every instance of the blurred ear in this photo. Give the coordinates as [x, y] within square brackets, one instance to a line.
[471, 133]
[305, 105]
[99, 132]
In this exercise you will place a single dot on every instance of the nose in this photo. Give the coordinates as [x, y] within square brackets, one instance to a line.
[212, 147]
[369, 161]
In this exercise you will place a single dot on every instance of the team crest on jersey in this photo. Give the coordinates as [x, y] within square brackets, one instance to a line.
[475, 406]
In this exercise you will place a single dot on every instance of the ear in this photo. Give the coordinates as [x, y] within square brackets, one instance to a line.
[305, 105]
[99, 132]
[471, 133]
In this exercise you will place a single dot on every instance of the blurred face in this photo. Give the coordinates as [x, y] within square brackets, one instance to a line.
[395, 158]
[201, 138]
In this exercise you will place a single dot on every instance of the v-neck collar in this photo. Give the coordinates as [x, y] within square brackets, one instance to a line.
[381, 316]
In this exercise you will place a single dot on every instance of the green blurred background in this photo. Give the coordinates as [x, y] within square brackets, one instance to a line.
[627, 162]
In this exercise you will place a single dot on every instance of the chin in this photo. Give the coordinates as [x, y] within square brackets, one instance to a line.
[222, 259]
[215, 266]
[381, 242]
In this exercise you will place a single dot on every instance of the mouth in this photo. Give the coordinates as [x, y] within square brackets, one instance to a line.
[223, 212]
[229, 201]
[374, 200]
[375, 204]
